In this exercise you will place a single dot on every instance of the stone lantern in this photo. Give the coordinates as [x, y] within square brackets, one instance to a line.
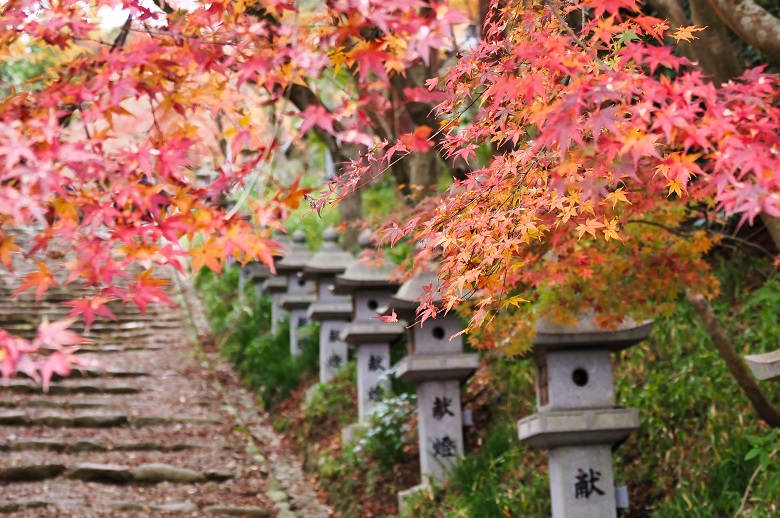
[276, 285]
[765, 366]
[331, 310]
[371, 288]
[256, 273]
[437, 365]
[300, 292]
[577, 420]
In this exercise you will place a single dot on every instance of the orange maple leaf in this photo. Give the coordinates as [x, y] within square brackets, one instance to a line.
[7, 247]
[40, 280]
[686, 33]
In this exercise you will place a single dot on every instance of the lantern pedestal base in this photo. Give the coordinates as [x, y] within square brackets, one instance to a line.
[558, 428]
[582, 484]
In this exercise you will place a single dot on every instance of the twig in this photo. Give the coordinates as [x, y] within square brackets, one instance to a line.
[749, 488]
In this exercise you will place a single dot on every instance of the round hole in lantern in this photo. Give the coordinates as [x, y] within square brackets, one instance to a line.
[438, 333]
[580, 377]
[372, 305]
[301, 282]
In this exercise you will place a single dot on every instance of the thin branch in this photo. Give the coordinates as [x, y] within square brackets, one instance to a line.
[574, 36]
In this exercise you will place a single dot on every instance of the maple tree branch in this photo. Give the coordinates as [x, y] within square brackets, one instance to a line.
[687, 234]
[574, 36]
[765, 409]
[752, 23]
[122, 36]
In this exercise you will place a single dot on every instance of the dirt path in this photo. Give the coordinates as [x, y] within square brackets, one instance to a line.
[162, 429]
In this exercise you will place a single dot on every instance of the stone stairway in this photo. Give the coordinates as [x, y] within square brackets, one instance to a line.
[146, 433]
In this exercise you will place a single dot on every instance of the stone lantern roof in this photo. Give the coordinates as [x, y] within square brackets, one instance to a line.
[330, 259]
[359, 275]
[406, 300]
[275, 284]
[586, 334]
[298, 255]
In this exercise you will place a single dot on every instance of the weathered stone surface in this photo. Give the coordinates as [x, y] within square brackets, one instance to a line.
[214, 475]
[86, 404]
[277, 496]
[31, 473]
[126, 507]
[52, 420]
[139, 446]
[176, 507]
[181, 446]
[35, 504]
[10, 507]
[199, 420]
[105, 473]
[139, 422]
[8, 404]
[154, 473]
[38, 445]
[82, 446]
[100, 421]
[43, 403]
[226, 510]
[13, 419]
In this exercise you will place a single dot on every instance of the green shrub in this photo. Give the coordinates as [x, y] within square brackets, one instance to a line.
[333, 401]
[388, 433]
[241, 321]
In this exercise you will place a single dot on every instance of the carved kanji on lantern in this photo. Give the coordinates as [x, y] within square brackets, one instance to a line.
[330, 310]
[578, 421]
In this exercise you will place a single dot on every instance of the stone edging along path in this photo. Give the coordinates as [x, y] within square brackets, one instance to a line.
[157, 432]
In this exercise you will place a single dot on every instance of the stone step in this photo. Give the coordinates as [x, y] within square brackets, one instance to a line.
[91, 373]
[90, 445]
[59, 420]
[152, 473]
[64, 421]
[112, 348]
[56, 389]
[184, 507]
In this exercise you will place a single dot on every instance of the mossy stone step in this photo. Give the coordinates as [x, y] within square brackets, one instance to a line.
[30, 473]
[67, 390]
[66, 421]
[156, 473]
[227, 510]
[105, 473]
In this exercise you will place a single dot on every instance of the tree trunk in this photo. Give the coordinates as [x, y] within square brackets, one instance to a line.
[423, 174]
[351, 213]
[773, 226]
[752, 23]
[768, 412]
[717, 57]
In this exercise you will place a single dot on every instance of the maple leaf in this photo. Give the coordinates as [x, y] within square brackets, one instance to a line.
[387, 318]
[419, 140]
[58, 362]
[56, 335]
[686, 33]
[316, 115]
[616, 196]
[41, 280]
[590, 226]
[89, 308]
[209, 254]
[7, 247]
[148, 290]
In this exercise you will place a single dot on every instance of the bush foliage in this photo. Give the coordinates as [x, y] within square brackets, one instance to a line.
[700, 451]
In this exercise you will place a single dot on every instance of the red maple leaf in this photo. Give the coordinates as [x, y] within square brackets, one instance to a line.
[90, 308]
